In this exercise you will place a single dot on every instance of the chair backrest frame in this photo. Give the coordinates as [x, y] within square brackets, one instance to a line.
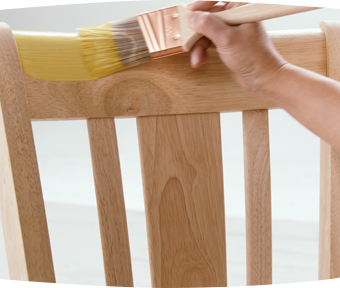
[178, 123]
[329, 235]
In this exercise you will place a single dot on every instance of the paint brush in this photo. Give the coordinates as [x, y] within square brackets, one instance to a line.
[99, 51]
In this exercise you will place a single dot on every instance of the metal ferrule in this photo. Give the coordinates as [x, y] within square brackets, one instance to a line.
[161, 31]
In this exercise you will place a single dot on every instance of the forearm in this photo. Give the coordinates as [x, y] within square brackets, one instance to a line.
[254, 63]
[312, 99]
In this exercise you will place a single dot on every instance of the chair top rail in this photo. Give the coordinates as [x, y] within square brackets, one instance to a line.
[168, 86]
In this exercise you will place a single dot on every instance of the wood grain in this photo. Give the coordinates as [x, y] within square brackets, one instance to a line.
[258, 197]
[255, 12]
[110, 202]
[329, 250]
[181, 162]
[22, 208]
[167, 86]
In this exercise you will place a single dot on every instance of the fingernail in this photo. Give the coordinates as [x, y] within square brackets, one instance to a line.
[194, 60]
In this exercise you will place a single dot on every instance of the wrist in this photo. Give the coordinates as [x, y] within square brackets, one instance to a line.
[269, 78]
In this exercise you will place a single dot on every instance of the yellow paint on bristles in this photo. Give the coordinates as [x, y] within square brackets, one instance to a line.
[99, 50]
[87, 55]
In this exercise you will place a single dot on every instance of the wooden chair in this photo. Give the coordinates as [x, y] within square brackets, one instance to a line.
[177, 110]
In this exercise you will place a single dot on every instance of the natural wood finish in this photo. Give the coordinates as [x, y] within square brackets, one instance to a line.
[22, 208]
[181, 162]
[249, 13]
[329, 251]
[258, 197]
[167, 86]
[110, 202]
[258, 12]
[331, 30]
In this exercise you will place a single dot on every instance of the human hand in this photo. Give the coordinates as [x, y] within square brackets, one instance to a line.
[245, 49]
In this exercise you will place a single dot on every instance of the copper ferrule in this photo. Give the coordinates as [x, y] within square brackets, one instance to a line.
[161, 31]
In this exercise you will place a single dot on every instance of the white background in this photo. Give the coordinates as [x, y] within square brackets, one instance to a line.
[63, 150]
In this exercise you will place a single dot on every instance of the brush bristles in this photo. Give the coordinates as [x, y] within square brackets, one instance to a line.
[112, 47]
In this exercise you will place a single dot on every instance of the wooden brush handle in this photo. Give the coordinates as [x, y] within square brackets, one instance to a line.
[247, 14]
[271, 9]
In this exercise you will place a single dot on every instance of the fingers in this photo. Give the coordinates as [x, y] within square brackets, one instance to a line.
[213, 28]
[210, 26]
[199, 53]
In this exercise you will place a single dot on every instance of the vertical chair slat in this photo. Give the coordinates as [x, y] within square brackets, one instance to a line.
[329, 252]
[110, 202]
[22, 207]
[329, 243]
[181, 162]
[258, 197]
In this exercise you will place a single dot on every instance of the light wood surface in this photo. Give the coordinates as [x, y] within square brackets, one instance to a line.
[269, 9]
[249, 13]
[167, 86]
[181, 161]
[21, 201]
[329, 252]
[110, 202]
[181, 164]
[258, 197]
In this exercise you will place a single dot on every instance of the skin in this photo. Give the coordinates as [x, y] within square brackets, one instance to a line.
[255, 64]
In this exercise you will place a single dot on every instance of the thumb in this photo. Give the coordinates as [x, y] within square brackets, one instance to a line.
[210, 26]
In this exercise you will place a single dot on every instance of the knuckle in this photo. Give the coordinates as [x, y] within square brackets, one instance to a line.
[205, 20]
[225, 39]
